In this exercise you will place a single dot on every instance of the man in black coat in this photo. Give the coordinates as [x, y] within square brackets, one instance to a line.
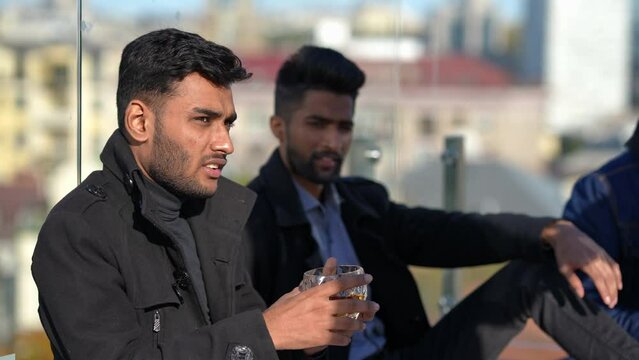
[305, 213]
[142, 259]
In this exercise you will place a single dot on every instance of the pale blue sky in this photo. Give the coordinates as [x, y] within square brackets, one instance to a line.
[510, 8]
[131, 7]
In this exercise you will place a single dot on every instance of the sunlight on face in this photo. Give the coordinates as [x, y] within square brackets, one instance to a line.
[191, 140]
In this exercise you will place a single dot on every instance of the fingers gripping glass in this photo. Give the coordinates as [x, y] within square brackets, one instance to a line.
[321, 275]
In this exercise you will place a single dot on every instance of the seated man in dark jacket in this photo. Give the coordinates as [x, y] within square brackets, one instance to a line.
[305, 212]
[605, 205]
[141, 260]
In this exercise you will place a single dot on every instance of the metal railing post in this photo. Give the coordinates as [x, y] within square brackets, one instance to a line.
[79, 92]
[364, 155]
[453, 200]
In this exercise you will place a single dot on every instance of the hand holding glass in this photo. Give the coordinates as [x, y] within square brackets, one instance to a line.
[321, 275]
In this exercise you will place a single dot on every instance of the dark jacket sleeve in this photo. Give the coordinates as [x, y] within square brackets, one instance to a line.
[444, 239]
[87, 313]
[589, 208]
[429, 237]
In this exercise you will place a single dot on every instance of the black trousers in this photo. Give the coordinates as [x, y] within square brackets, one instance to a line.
[483, 324]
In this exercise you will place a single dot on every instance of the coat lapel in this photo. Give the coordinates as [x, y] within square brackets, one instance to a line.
[289, 213]
[217, 232]
[281, 192]
[361, 222]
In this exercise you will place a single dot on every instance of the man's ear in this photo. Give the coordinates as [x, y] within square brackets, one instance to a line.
[278, 127]
[138, 121]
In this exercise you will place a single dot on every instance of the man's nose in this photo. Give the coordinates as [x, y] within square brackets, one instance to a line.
[221, 140]
[331, 139]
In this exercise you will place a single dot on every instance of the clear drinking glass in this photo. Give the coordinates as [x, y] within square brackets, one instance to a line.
[319, 276]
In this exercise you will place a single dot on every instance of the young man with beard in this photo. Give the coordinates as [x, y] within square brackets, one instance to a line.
[305, 212]
[142, 260]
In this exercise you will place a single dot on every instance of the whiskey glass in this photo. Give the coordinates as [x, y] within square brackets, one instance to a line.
[321, 275]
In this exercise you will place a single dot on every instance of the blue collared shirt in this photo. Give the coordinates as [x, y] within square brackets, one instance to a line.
[331, 236]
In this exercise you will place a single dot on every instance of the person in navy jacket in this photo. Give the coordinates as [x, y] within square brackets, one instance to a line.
[605, 205]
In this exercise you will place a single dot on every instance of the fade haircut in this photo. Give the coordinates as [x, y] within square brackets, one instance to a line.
[153, 63]
[314, 68]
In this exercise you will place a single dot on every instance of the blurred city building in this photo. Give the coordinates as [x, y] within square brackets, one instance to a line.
[475, 28]
[511, 88]
[37, 52]
[580, 51]
[22, 209]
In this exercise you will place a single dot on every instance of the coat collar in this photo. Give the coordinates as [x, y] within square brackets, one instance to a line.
[281, 193]
[118, 159]
[235, 199]
[216, 222]
[354, 204]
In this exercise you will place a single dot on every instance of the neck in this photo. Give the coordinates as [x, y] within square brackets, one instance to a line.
[138, 156]
[313, 188]
[162, 197]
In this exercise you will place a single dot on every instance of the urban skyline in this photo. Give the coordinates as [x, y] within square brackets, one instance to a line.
[411, 101]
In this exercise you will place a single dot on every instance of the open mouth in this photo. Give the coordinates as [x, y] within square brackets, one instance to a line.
[214, 169]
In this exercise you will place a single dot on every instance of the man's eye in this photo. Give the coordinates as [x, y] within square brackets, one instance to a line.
[203, 119]
[230, 124]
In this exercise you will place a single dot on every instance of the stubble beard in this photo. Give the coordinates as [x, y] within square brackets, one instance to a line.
[305, 167]
[168, 168]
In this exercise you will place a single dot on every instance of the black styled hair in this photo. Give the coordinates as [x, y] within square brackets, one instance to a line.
[152, 64]
[314, 68]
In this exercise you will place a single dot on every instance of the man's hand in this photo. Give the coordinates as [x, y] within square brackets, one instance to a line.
[575, 250]
[303, 320]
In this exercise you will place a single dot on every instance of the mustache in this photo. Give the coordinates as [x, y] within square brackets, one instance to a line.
[214, 156]
[329, 154]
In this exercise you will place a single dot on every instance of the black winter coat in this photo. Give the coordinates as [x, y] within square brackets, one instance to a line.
[386, 236]
[107, 279]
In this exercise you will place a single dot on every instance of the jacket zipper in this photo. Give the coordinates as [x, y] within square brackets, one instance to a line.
[156, 327]
[156, 321]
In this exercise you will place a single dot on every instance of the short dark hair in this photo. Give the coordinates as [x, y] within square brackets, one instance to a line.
[152, 64]
[315, 68]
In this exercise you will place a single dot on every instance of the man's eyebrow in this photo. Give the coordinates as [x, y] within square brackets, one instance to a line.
[322, 118]
[214, 114]
[208, 112]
